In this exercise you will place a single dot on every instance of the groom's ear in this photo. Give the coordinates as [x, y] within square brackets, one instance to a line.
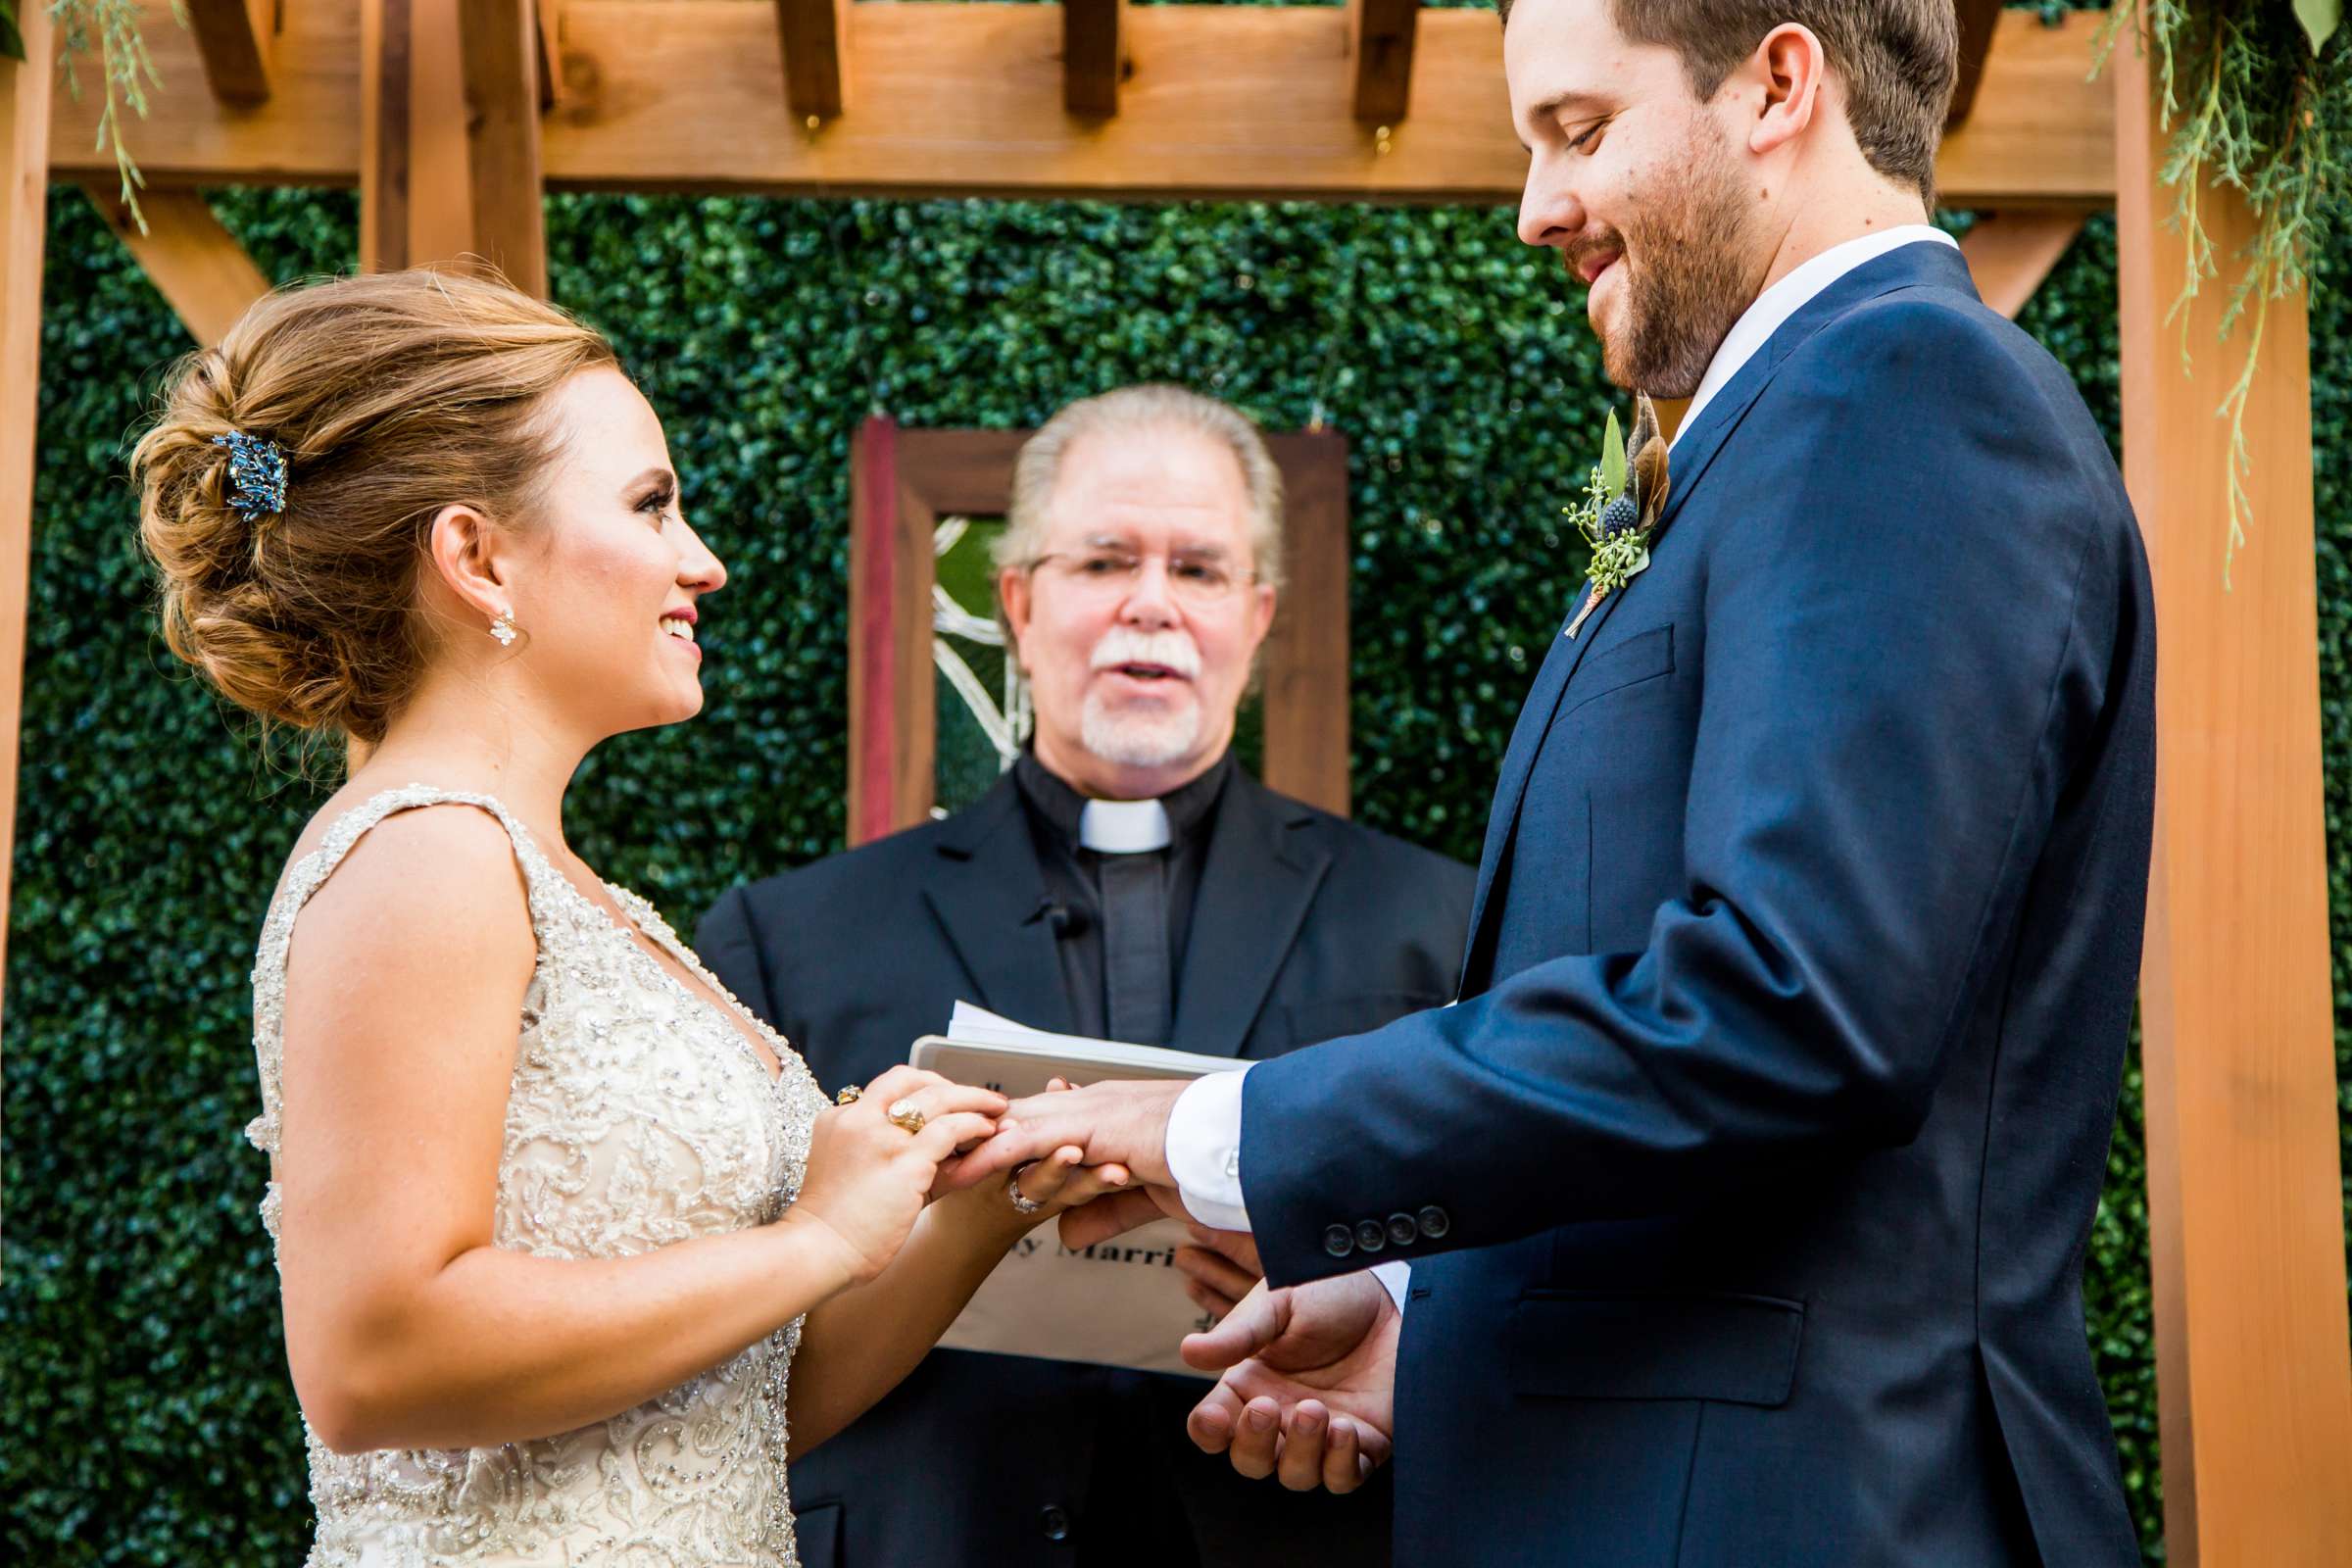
[1790, 68]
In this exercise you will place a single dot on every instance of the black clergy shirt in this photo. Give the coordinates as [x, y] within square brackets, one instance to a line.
[1074, 879]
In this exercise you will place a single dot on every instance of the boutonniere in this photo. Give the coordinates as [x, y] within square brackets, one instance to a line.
[1622, 502]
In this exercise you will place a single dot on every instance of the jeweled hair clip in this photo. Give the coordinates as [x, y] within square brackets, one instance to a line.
[257, 474]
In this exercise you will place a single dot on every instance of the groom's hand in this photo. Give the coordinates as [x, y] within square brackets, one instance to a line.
[1308, 1391]
[1121, 1123]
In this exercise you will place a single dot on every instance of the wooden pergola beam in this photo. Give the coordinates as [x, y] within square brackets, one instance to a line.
[416, 185]
[2009, 254]
[499, 42]
[2245, 1194]
[1980, 22]
[815, 35]
[1380, 49]
[25, 112]
[1091, 60]
[233, 36]
[198, 266]
[384, 173]
[1232, 101]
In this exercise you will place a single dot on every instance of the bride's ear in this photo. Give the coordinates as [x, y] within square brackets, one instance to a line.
[467, 552]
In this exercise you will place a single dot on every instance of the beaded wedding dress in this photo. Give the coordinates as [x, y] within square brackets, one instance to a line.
[639, 1115]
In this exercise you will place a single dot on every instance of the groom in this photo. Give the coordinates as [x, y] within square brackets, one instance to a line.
[1744, 1191]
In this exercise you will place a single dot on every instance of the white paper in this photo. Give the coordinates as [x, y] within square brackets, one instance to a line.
[1118, 1303]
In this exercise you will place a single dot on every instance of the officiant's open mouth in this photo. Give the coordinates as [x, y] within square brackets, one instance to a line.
[1157, 679]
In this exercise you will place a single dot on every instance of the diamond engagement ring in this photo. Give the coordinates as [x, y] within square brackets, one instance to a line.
[1022, 1202]
[905, 1114]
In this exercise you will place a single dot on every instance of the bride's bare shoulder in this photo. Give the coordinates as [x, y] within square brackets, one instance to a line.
[419, 873]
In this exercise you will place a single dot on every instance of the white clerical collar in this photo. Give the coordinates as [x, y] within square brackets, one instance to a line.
[1123, 827]
[1792, 294]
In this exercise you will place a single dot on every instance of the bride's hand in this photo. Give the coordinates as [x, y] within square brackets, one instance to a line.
[868, 1178]
[1054, 1184]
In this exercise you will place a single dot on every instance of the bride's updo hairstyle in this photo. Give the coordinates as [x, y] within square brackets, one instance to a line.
[390, 397]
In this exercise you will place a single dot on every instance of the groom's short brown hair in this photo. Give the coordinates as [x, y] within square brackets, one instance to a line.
[1897, 58]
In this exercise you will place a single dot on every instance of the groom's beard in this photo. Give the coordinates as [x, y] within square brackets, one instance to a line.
[1689, 286]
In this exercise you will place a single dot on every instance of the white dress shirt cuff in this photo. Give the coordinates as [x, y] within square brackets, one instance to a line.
[1204, 1150]
[1393, 1278]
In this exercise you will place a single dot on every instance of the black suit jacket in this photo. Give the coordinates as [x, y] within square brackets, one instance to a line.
[1304, 926]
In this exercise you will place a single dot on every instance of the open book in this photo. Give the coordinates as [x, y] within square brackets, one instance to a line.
[1118, 1303]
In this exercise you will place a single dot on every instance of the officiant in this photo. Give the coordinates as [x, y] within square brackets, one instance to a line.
[1125, 879]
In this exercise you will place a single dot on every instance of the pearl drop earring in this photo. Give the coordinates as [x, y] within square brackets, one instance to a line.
[503, 628]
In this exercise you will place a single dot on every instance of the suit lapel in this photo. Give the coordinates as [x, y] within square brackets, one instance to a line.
[1926, 263]
[1254, 897]
[986, 898]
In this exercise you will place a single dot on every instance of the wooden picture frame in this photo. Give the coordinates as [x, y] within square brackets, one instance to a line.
[902, 481]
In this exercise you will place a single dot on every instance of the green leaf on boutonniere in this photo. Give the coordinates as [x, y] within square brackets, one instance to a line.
[1616, 521]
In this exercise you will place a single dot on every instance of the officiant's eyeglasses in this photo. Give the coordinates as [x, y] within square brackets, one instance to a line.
[1199, 578]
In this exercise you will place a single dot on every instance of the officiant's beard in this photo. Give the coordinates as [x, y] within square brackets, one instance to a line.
[1137, 737]
[1691, 282]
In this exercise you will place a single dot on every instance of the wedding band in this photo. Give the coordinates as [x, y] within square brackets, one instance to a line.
[907, 1114]
[850, 1095]
[1022, 1202]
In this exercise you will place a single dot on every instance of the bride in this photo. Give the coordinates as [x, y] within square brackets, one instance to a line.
[567, 1240]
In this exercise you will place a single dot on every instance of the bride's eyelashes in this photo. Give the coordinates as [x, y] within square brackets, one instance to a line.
[656, 503]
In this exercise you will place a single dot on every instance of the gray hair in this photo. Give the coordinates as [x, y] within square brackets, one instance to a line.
[1138, 411]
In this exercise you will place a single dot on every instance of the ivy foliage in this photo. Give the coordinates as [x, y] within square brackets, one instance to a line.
[144, 1393]
[2257, 100]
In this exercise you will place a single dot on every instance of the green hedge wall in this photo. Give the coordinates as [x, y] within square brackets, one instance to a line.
[146, 1405]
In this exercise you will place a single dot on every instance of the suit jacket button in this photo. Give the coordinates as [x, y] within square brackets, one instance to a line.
[1371, 1235]
[1339, 1240]
[1433, 1222]
[1054, 1521]
[1403, 1231]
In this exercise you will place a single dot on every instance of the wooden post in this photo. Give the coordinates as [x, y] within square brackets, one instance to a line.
[893, 706]
[2246, 1199]
[500, 52]
[24, 88]
[383, 135]
[416, 189]
[1307, 654]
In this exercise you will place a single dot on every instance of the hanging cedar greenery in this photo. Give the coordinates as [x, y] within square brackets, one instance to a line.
[126, 70]
[2257, 96]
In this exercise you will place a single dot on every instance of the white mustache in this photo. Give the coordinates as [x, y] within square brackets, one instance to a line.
[1171, 648]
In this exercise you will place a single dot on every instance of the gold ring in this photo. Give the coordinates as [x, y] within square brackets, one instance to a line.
[850, 1095]
[907, 1114]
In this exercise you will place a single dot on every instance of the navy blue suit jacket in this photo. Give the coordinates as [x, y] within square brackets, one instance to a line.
[1771, 1122]
[1304, 926]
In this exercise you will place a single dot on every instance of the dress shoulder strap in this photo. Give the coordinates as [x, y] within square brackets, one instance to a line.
[309, 876]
